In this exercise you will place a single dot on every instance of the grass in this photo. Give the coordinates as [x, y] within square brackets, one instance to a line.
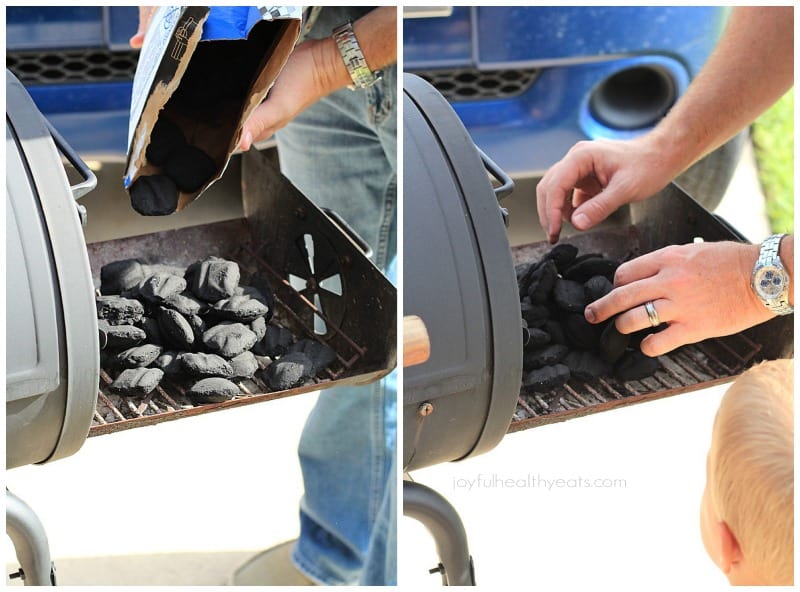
[773, 142]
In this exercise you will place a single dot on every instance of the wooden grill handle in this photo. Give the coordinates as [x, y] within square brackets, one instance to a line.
[416, 343]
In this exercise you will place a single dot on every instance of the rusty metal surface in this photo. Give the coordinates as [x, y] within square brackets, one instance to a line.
[363, 355]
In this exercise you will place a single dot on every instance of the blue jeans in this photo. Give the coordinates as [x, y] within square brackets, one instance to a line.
[342, 154]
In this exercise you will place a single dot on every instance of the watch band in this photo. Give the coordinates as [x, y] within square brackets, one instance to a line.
[353, 57]
[769, 255]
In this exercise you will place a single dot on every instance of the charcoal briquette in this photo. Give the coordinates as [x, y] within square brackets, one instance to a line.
[119, 311]
[562, 255]
[613, 343]
[580, 333]
[547, 378]
[290, 371]
[205, 365]
[137, 356]
[538, 338]
[136, 381]
[240, 308]
[229, 339]
[275, 343]
[244, 365]
[555, 330]
[596, 287]
[165, 138]
[546, 356]
[259, 327]
[160, 286]
[154, 195]
[581, 271]
[534, 314]
[118, 276]
[176, 329]
[213, 390]
[321, 355]
[569, 295]
[634, 365]
[189, 168]
[185, 303]
[542, 281]
[213, 279]
[121, 336]
[198, 326]
[169, 362]
[586, 365]
[152, 330]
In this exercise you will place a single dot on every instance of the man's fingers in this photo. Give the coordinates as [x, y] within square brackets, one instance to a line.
[621, 299]
[637, 269]
[145, 16]
[636, 318]
[658, 344]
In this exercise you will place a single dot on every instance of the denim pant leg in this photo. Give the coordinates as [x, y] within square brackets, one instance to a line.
[341, 153]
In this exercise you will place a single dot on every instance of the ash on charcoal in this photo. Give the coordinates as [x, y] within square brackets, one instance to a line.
[203, 365]
[569, 295]
[136, 381]
[321, 355]
[137, 357]
[581, 334]
[119, 311]
[155, 195]
[189, 168]
[596, 287]
[119, 336]
[118, 276]
[613, 343]
[240, 308]
[562, 255]
[213, 390]
[213, 279]
[275, 343]
[151, 329]
[545, 356]
[244, 365]
[259, 327]
[586, 365]
[176, 329]
[547, 378]
[165, 139]
[169, 362]
[229, 339]
[634, 365]
[290, 371]
[160, 286]
[185, 303]
[198, 326]
[581, 271]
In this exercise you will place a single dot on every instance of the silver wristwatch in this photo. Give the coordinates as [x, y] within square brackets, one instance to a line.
[770, 281]
[353, 57]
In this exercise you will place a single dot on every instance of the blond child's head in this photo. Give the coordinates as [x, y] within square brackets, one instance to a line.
[747, 514]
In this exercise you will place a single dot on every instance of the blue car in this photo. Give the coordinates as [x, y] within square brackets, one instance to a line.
[529, 82]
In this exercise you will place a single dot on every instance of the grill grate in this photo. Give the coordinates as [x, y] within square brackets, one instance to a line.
[689, 368]
[86, 65]
[169, 400]
[469, 84]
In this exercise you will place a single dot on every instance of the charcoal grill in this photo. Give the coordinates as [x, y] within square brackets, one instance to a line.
[324, 284]
[459, 279]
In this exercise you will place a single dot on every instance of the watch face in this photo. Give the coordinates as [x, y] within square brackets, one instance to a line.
[769, 282]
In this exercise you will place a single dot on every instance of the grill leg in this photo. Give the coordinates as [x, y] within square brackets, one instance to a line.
[30, 542]
[443, 522]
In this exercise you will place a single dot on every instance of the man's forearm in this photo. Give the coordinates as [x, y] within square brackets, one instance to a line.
[751, 68]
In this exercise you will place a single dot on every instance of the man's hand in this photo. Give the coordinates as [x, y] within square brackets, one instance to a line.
[699, 290]
[145, 16]
[595, 178]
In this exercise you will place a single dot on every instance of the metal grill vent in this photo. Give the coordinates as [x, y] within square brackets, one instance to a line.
[58, 67]
[469, 84]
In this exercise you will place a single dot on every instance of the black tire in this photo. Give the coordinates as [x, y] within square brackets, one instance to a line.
[708, 179]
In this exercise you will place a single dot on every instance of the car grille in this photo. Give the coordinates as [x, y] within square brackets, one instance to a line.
[469, 84]
[84, 65]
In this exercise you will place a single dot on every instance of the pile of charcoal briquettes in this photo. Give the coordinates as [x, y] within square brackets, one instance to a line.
[559, 342]
[198, 326]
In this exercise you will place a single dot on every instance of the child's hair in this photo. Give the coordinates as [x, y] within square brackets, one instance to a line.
[753, 467]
